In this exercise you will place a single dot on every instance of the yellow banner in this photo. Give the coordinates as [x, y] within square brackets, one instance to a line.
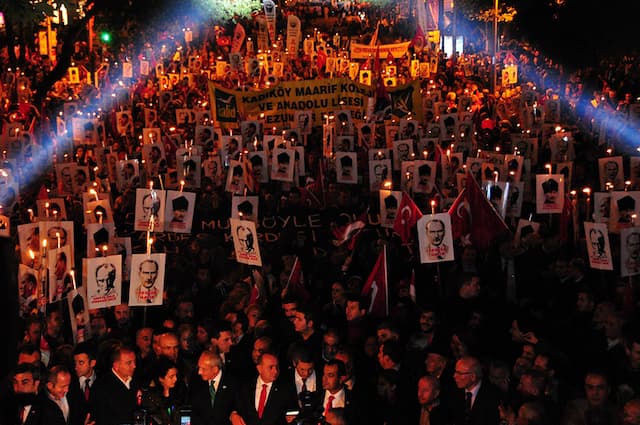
[365, 51]
[277, 105]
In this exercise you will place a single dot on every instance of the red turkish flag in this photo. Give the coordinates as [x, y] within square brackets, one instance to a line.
[407, 217]
[296, 285]
[477, 218]
[566, 219]
[376, 288]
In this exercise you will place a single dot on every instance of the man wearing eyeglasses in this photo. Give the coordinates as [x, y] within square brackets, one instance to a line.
[476, 400]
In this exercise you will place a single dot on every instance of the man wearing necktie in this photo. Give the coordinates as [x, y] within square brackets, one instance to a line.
[267, 399]
[336, 395]
[212, 396]
[84, 362]
[23, 406]
[476, 400]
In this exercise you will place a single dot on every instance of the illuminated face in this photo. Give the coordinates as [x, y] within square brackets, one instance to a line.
[169, 346]
[224, 341]
[631, 413]
[596, 390]
[353, 311]
[331, 380]
[60, 388]
[268, 368]
[329, 346]
[23, 383]
[206, 368]
[426, 392]
[126, 365]
[169, 380]
[259, 347]
[300, 322]
[427, 321]
[634, 355]
[143, 340]
[304, 369]
[463, 375]
[83, 364]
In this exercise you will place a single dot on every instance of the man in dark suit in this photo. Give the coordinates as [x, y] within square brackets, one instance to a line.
[114, 397]
[308, 337]
[84, 359]
[304, 377]
[212, 396]
[336, 395]
[431, 411]
[222, 341]
[59, 407]
[22, 406]
[266, 400]
[476, 400]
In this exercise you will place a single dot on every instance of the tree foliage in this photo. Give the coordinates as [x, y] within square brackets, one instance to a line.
[505, 14]
[225, 10]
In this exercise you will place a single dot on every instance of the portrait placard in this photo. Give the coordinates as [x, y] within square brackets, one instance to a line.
[147, 279]
[435, 238]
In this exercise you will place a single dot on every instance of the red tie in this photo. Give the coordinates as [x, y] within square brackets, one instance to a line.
[263, 399]
[86, 389]
[22, 414]
[329, 405]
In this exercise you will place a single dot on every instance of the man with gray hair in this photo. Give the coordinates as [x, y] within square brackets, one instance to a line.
[476, 400]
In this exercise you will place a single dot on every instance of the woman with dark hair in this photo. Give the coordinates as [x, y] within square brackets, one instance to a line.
[161, 399]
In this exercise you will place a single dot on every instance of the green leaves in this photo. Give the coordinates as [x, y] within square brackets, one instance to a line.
[225, 10]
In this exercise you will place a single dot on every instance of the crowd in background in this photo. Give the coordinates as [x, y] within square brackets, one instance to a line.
[526, 335]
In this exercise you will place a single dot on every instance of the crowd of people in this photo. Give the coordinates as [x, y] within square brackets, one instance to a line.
[521, 332]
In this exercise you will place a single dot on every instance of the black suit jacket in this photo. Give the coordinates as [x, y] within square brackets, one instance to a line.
[282, 398]
[52, 414]
[111, 403]
[484, 410]
[305, 400]
[354, 411]
[35, 416]
[12, 406]
[201, 410]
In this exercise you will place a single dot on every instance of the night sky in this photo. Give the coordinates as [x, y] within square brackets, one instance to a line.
[582, 31]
